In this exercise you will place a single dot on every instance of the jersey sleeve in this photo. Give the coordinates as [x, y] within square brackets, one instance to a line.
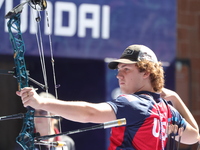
[131, 108]
[176, 118]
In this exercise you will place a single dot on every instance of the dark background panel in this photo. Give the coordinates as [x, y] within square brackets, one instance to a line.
[79, 79]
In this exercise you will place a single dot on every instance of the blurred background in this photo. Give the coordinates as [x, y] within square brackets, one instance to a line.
[86, 35]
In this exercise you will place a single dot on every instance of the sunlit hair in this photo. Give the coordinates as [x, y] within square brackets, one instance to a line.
[156, 73]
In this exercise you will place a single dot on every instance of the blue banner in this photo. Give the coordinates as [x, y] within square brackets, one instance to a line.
[93, 30]
[96, 29]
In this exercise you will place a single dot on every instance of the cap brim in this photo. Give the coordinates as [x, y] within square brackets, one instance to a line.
[113, 64]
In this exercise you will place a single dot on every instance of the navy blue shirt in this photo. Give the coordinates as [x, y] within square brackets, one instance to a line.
[147, 116]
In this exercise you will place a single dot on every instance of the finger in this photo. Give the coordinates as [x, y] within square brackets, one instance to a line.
[18, 93]
[175, 129]
[26, 88]
[21, 93]
[24, 95]
[169, 129]
[180, 131]
[25, 98]
[25, 92]
[26, 102]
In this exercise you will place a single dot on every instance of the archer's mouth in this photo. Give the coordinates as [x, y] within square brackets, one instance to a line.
[121, 83]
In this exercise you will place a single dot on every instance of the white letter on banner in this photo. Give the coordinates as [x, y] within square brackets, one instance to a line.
[105, 22]
[69, 30]
[93, 22]
[1, 3]
[8, 7]
[33, 24]
[24, 18]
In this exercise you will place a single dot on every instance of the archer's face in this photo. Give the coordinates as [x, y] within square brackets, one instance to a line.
[44, 125]
[41, 122]
[130, 79]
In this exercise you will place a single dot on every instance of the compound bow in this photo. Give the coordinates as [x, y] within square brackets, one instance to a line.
[26, 136]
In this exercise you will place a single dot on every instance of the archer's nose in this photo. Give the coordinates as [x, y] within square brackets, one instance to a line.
[119, 75]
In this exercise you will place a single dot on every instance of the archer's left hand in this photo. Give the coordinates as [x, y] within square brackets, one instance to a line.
[30, 98]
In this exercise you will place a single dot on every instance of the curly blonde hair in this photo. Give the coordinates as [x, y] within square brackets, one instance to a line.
[156, 73]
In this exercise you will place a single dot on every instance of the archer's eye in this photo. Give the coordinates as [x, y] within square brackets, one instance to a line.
[41, 112]
[126, 69]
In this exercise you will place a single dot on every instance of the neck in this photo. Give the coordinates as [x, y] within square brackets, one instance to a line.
[145, 88]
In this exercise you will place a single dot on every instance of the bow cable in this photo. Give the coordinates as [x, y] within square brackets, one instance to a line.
[53, 65]
[42, 59]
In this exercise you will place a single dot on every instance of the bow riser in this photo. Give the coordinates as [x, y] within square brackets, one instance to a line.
[19, 50]
[26, 136]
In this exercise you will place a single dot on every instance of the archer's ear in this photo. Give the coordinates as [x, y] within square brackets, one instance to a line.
[146, 74]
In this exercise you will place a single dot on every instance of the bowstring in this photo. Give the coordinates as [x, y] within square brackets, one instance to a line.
[53, 64]
[42, 60]
[40, 46]
[52, 57]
